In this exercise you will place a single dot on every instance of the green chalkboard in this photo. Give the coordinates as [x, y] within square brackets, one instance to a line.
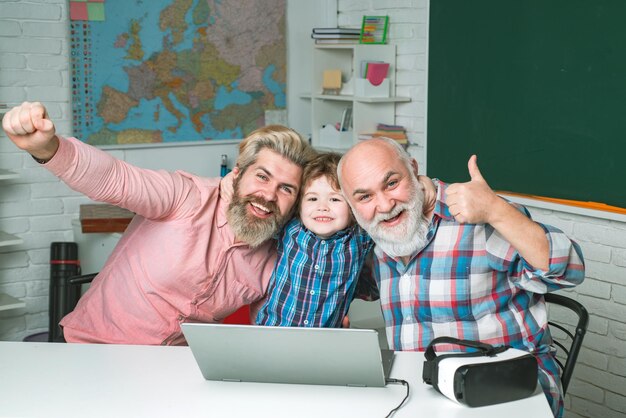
[537, 89]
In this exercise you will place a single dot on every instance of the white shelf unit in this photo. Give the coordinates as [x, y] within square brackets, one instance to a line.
[6, 301]
[367, 112]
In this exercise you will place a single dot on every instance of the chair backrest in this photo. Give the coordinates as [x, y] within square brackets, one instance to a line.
[576, 337]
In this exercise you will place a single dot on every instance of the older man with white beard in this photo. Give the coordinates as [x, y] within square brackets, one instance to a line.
[188, 255]
[468, 265]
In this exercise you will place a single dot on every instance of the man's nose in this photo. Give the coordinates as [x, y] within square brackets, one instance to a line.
[384, 204]
[269, 194]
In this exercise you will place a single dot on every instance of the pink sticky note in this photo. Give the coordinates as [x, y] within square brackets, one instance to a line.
[78, 10]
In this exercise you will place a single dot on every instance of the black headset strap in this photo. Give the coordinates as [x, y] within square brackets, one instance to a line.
[483, 348]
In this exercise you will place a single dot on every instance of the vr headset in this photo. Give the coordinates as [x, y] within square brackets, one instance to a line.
[487, 375]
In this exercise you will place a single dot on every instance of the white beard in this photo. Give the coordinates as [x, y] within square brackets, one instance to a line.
[405, 238]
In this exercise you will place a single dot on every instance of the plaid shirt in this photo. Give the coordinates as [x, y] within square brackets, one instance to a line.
[314, 279]
[470, 283]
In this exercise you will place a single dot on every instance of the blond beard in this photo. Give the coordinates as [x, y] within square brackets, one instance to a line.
[406, 238]
[248, 228]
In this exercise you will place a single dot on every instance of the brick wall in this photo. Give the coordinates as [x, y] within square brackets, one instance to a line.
[36, 206]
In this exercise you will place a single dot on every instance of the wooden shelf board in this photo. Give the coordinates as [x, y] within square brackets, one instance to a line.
[104, 218]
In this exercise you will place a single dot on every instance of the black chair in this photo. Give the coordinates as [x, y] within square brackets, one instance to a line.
[568, 355]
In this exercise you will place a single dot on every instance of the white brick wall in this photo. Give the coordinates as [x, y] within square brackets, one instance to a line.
[33, 66]
[34, 48]
[598, 388]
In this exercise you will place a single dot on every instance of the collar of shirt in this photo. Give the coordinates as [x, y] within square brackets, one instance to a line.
[441, 209]
[222, 208]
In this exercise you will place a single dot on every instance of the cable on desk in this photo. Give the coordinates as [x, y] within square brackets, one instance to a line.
[404, 383]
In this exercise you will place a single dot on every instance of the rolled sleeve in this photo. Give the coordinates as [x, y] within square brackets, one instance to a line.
[566, 265]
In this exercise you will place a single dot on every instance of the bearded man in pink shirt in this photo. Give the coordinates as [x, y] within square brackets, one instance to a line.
[188, 255]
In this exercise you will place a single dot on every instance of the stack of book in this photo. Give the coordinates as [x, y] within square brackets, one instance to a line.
[336, 35]
[395, 132]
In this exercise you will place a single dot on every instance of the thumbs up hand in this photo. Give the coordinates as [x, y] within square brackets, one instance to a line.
[29, 127]
[471, 202]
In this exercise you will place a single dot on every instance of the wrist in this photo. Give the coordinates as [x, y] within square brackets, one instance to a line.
[45, 155]
[501, 212]
[40, 160]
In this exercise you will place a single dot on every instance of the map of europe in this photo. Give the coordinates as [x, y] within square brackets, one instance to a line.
[177, 70]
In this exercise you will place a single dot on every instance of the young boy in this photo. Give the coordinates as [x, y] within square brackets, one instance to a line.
[320, 255]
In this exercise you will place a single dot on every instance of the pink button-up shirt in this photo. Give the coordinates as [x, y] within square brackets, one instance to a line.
[177, 261]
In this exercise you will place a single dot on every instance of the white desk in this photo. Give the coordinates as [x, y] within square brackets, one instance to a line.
[72, 380]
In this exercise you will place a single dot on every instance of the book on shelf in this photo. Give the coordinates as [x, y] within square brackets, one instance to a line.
[333, 36]
[336, 41]
[346, 120]
[395, 132]
[401, 139]
[364, 65]
[392, 135]
[344, 31]
[386, 127]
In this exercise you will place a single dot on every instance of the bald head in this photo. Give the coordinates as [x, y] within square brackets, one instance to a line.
[366, 155]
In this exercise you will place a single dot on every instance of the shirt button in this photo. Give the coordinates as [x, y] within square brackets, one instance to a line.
[317, 267]
[405, 276]
[312, 292]
[180, 317]
[306, 322]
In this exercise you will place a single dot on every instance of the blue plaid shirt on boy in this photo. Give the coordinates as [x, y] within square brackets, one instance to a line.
[470, 283]
[314, 279]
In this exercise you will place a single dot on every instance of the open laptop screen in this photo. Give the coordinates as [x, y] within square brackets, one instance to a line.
[324, 356]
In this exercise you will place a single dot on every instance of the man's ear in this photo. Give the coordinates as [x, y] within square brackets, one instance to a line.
[414, 165]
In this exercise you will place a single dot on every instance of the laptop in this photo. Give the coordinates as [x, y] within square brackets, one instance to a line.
[315, 356]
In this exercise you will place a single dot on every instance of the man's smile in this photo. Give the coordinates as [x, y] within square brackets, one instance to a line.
[393, 220]
[259, 210]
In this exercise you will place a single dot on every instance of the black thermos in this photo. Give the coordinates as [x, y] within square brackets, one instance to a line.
[64, 264]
